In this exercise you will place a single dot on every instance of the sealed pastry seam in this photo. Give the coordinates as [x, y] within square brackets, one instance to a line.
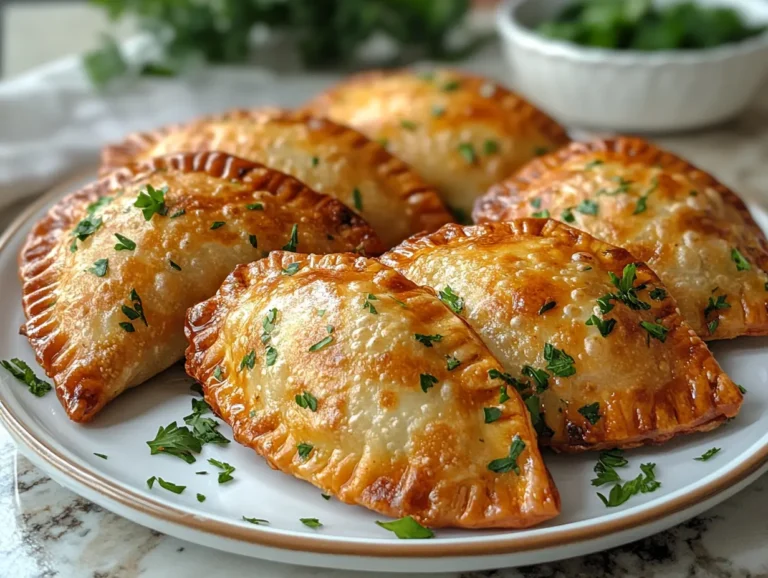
[374, 437]
[647, 389]
[155, 266]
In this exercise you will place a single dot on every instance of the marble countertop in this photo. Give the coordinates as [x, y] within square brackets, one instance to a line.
[46, 530]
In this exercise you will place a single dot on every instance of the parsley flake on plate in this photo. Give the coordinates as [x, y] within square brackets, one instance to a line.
[451, 299]
[204, 429]
[23, 372]
[311, 522]
[407, 529]
[175, 441]
[644, 483]
[102, 456]
[255, 521]
[225, 475]
[509, 463]
[170, 486]
[606, 465]
[151, 201]
[707, 455]
[200, 498]
[307, 401]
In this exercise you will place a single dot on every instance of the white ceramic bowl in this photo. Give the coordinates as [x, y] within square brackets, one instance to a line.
[632, 91]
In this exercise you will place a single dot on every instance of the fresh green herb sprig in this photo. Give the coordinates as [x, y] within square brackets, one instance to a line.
[23, 372]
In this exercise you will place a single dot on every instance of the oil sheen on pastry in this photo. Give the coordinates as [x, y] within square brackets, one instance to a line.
[341, 372]
[695, 233]
[591, 338]
[110, 271]
[461, 133]
[329, 158]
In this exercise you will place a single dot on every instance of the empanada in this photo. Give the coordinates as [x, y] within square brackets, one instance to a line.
[328, 157]
[462, 133]
[343, 373]
[109, 273]
[695, 233]
[608, 361]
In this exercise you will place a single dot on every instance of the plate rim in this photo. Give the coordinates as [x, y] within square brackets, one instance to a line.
[164, 512]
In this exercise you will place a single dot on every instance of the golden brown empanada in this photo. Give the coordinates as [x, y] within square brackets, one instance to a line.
[343, 373]
[610, 361]
[695, 233]
[109, 273]
[462, 133]
[328, 157]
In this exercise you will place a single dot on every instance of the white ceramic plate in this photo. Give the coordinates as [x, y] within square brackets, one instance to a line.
[349, 538]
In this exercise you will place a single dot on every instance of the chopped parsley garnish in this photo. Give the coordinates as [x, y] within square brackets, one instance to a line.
[326, 497]
[271, 356]
[503, 395]
[204, 429]
[491, 414]
[217, 225]
[627, 292]
[541, 214]
[255, 521]
[248, 360]
[311, 522]
[225, 475]
[467, 151]
[587, 207]
[99, 204]
[426, 381]
[102, 456]
[151, 482]
[151, 201]
[644, 483]
[85, 229]
[407, 529]
[357, 199]
[539, 376]
[200, 498]
[304, 450]
[604, 326]
[451, 362]
[100, 267]
[741, 263]
[642, 202]
[742, 389]
[591, 412]
[368, 305]
[427, 340]
[127, 327]
[322, 343]
[293, 241]
[536, 203]
[509, 463]
[178, 213]
[490, 146]
[658, 294]
[255, 206]
[307, 401]
[604, 303]
[408, 124]
[291, 269]
[171, 487]
[593, 164]
[621, 189]
[606, 465]
[174, 265]
[136, 312]
[438, 110]
[217, 373]
[254, 241]
[707, 455]
[21, 371]
[124, 244]
[451, 299]
[567, 215]
[315, 161]
[451, 85]
[655, 330]
[558, 361]
[175, 441]
[547, 306]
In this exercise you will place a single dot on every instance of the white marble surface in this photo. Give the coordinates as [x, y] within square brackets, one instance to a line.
[48, 531]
